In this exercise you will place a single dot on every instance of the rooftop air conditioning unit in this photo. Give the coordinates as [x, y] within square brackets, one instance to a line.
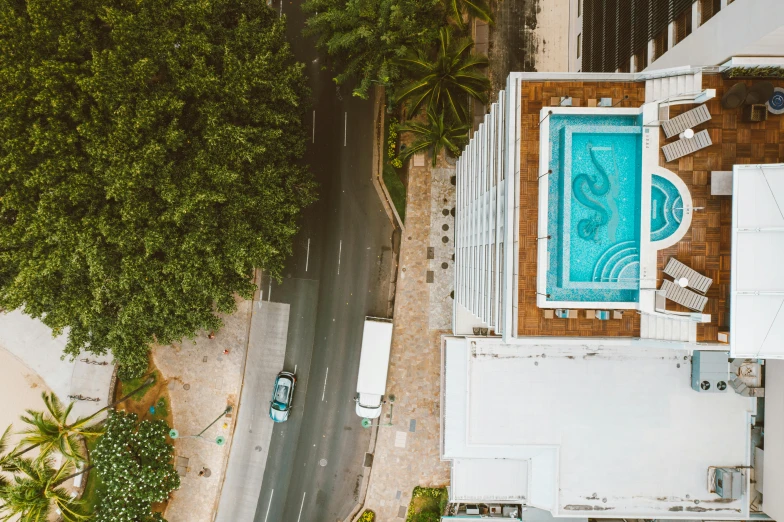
[729, 483]
[472, 509]
[710, 371]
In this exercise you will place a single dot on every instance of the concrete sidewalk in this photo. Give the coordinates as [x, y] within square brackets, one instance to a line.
[247, 461]
[31, 341]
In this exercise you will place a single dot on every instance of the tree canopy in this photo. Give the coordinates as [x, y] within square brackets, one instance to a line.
[364, 36]
[135, 463]
[148, 162]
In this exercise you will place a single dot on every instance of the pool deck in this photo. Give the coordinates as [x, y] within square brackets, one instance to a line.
[705, 247]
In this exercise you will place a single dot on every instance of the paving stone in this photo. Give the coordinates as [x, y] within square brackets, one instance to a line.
[414, 371]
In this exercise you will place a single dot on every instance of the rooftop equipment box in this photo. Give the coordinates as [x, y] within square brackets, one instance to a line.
[710, 371]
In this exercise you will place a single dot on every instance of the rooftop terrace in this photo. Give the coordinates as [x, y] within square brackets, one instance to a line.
[706, 246]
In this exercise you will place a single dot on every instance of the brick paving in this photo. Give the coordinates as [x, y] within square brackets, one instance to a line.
[407, 453]
[213, 381]
[707, 244]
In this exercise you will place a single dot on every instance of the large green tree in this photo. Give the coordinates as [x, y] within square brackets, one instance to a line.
[148, 162]
[363, 37]
[135, 463]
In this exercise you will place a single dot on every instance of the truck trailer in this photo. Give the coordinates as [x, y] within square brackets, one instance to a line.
[373, 366]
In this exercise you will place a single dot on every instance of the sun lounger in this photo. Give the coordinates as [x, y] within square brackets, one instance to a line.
[687, 120]
[697, 281]
[682, 296]
[686, 146]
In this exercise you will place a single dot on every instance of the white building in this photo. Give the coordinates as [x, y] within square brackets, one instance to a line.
[576, 391]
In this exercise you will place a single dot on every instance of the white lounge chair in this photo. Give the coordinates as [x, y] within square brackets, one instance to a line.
[682, 296]
[682, 147]
[697, 281]
[687, 120]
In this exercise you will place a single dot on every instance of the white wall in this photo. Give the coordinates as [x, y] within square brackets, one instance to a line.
[773, 485]
[745, 27]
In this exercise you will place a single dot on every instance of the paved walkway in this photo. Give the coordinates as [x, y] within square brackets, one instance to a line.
[248, 459]
[31, 342]
[407, 453]
[203, 380]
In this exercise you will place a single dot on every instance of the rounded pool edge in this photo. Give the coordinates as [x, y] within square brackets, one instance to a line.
[678, 234]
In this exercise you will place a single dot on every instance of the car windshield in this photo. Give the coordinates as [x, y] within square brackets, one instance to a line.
[281, 398]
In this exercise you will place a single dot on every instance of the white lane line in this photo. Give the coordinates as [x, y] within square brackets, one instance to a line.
[325, 385]
[269, 505]
[307, 256]
[269, 292]
[340, 251]
[301, 506]
[295, 369]
[280, 15]
[314, 126]
[345, 127]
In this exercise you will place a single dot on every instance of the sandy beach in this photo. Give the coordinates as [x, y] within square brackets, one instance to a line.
[20, 389]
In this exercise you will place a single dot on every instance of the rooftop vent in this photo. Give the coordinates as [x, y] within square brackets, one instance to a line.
[710, 371]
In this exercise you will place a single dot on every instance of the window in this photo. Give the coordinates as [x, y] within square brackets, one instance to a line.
[708, 8]
[641, 58]
[682, 26]
[660, 44]
[579, 44]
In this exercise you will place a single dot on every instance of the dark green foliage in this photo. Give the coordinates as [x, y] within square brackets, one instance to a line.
[434, 136]
[363, 37]
[148, 162]
[475, 8]
[135, 463]
[443, 81]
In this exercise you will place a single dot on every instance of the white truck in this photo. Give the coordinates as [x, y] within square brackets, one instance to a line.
[373, 366]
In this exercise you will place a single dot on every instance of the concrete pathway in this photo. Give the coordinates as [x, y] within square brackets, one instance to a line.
[202, 381]
[249, 449]
[407, 452]
[31, 341]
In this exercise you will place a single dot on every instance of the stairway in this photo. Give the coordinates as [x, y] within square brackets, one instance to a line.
[660, 89]
[671, 328]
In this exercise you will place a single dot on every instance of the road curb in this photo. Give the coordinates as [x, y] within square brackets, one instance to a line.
[378, 159]
[358, 508]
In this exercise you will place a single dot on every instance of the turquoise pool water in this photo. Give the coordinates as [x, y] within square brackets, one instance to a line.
[594, 208]
[666, 208]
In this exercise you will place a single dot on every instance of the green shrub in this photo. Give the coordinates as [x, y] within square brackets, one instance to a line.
[755, 72]
[367, 516]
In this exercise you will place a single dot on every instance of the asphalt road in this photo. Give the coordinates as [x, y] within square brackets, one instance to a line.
[338, 274]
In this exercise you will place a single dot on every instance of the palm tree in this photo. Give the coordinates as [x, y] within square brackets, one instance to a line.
[475, 8]
[435, 136]
[35, 490]
[446, 83]
[50, 430]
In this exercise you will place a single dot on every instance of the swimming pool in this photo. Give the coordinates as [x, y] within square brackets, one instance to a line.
[593, 214]
[666, 208]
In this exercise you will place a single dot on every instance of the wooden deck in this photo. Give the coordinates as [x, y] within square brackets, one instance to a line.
[705, 247]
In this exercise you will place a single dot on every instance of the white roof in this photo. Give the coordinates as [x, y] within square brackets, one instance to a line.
[757, 272]
[501, 480]
[773, 483]
[612, 427]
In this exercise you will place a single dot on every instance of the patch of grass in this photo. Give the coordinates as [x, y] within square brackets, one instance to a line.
[132, 384]
[94, 487]
[160, 408]
[395, 187]
[396, 190]
[427, 504]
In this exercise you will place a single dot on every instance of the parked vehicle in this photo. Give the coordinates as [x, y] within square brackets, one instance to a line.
[373, 366]
[282, 395]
